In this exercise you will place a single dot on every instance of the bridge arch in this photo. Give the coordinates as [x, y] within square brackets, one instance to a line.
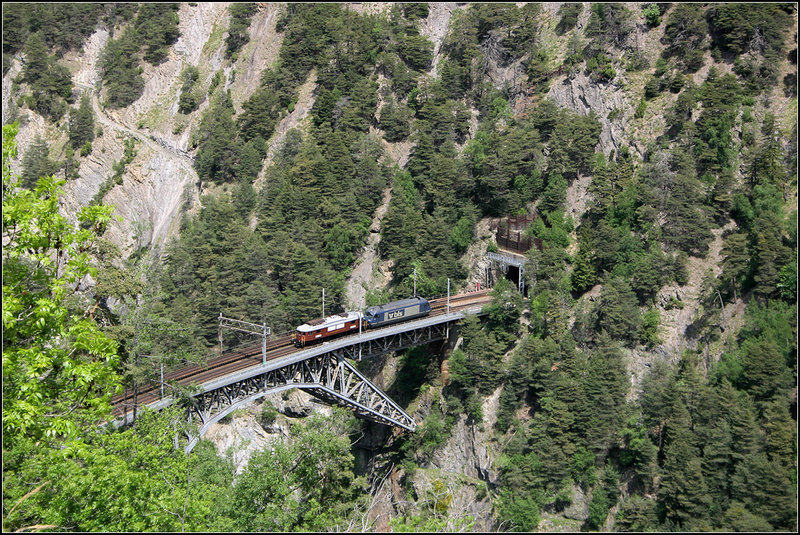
[328, 378]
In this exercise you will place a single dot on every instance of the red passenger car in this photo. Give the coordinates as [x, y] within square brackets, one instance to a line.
[321, 329]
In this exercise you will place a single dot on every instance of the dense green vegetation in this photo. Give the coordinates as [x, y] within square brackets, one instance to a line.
[81, 125]
[60, 473]
[188, 101]
[706, 441]
[153, 31]
[36, 163]
[50, 82]
[44, 330]
[62, 27]
[238, 36]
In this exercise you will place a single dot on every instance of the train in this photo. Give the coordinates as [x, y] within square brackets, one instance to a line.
[322, 329]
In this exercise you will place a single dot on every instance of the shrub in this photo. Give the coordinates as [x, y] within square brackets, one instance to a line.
[652, 14]
[600, 69]
[677, 82]
[416, 51]
[187, 102]
[416, 10]
[238, 36]
[215, 82]
[640, 109]
[650, 322]
[652, 88]
[268, 414]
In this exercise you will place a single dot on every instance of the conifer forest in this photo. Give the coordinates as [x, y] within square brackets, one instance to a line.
[618, 181]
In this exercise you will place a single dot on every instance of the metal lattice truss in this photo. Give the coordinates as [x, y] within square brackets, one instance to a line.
[326, 376]
[394, 342]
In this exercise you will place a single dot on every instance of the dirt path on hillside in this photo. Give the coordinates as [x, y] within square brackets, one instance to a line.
[154, 143]
[155, 185]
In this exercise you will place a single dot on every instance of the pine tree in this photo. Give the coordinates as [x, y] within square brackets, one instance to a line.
[688, 225]
[735, 261]
[649, 274]
[216, 155]
[483, 356]
[606, 385]
[554, 195]
[120, 65]
[447, 181]
[584, 274]
[683, 490]
[81, 124]
[636, 513]
[619, 313]
[238, 35]
[766, 488]
[722, 196]
[421, 158]
[765, 374]
[781, 434]
[36, 163]
[157, 28]
[187, 102]
[717, 463]
[549, 434]
[768, 163]
[738, 518]
[770, 253]
[36, 60]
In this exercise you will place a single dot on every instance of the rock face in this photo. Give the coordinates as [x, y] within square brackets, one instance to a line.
[366, 273]
[244, 432]
[579, 94]
[161, 182]
[435, 26]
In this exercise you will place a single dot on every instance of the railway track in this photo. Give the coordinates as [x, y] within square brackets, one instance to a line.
[246, 357]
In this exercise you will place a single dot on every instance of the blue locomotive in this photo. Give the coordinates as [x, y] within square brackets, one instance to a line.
[405, 309]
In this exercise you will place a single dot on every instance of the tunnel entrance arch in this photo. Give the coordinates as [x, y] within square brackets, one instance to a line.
[510, 266]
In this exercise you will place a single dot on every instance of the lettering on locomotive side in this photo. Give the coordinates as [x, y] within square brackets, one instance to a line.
[395, 314]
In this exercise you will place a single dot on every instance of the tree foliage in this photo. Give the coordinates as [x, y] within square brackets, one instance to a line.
[703, 445]
[50, 81]
[153, 31]
[238, 36]
[58, 367]
[120, 70]
[81, 124]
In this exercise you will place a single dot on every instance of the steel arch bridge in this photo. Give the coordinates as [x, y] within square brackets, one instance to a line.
[323, 371]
